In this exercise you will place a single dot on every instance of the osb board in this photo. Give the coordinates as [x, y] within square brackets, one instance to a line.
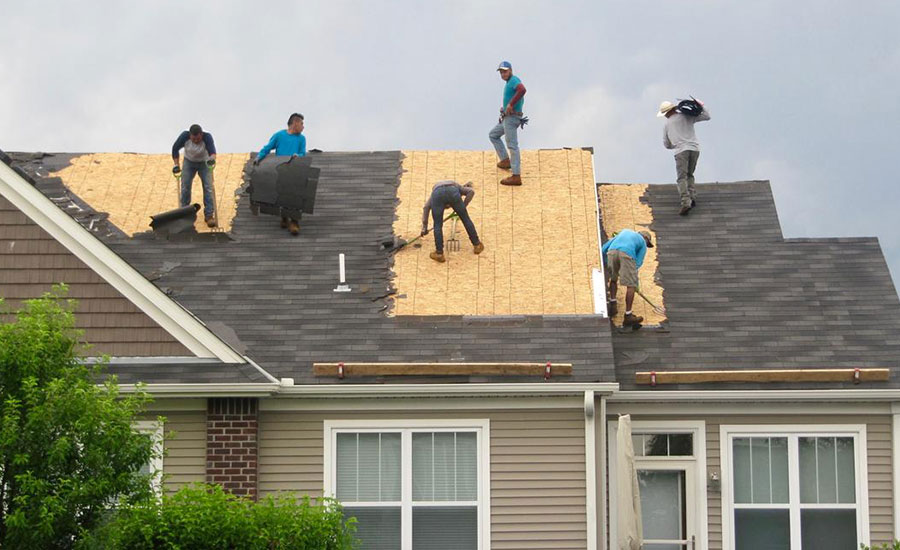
[132, 187]
[540, 239]
[622, 208]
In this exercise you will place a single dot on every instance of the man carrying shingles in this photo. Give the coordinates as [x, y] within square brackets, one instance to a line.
[510, 121]
[624, 255]
[289, 143]
[199, 156]
[679, 135]
[448, 193]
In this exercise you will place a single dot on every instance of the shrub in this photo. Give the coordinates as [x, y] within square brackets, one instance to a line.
[205, 516]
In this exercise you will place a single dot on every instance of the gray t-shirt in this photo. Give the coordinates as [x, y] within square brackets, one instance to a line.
[679, 134]
[196, 151]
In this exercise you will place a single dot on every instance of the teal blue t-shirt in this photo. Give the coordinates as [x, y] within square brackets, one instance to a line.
[629, 242]
[285, 144]
[509, 91]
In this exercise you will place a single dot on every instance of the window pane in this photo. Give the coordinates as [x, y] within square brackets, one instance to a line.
[827, 470]
[368, 467]
[656, 444]
[681, 444]
[761, 470]
[662, 504]
[762, 530]
[808, 485]
[466, 466]
[346, 467]
[780, 485]
[846, 469]
[828, 529]
[741, 463]
[444, 466]
[423, 465]
[445, 528]
[377, 528]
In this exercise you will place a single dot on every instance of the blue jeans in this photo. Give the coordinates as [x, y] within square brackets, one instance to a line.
[188, 172]
[508, 127]
[441, 198]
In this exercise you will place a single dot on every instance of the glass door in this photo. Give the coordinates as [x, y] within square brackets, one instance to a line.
[667, 509]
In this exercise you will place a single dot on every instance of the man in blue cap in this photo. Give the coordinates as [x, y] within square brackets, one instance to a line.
[510, 121]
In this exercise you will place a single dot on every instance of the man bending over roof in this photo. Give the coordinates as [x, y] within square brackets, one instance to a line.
[199, 156]
[287, 143]
[449, 193]
[624, 255]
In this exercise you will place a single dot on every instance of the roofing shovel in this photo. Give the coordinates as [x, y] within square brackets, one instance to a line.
[403, 244]
[656, 308]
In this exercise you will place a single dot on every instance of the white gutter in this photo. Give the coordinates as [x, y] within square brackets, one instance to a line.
[730, 396]
[174, 319]
[204, 390]
[444, 390]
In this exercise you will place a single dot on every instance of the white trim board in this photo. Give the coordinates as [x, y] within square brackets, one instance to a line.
[155, 429]
[167, 313]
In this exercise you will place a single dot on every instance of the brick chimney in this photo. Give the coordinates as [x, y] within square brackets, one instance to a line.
[232, 444]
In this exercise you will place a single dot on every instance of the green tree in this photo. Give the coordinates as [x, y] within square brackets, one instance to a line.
[68, 450]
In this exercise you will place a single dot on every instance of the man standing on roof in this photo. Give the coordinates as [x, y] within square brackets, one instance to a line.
[290, 142]
[624, 255]
[449, 193]
[510, 121]
[679, 135]
[199, 156]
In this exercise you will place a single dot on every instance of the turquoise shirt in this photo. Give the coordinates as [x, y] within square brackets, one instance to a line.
[631, 243]
[509, 91]
[285, 144]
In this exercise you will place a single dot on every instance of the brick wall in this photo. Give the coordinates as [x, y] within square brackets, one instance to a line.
[231, 444]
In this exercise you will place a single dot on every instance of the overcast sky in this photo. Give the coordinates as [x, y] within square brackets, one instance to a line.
[805, 93]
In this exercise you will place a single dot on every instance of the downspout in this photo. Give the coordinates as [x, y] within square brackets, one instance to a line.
[604, 479]
[895, 465]
[590, 469]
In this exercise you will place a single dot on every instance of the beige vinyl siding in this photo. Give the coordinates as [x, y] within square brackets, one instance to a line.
[537, 468]
[185, 445]
[878, 451]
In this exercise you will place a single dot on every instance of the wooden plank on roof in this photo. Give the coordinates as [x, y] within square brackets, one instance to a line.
[441, 369]
[780, 375]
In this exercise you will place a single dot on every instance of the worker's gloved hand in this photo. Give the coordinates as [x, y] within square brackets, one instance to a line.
[424, 231]
[211, 163]
[176, 169]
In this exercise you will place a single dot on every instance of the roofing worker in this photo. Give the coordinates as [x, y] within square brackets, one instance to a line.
[679, 135]
[289, 143]
[510, 121]
[199, 156]
[624, 255]
[449, 193]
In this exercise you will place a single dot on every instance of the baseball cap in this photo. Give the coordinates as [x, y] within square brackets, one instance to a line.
[647, 237]
[505, 66]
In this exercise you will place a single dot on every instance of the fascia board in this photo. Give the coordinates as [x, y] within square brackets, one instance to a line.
[170, 315]
[730, 396]
[444, 390]
[203, 390]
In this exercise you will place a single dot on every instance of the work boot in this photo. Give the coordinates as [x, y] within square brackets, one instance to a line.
[612, 308]
[514, 179]
[284, 222]
[503, 164]
[479, 248]
[693, 203]
[211, 220]
[684, 210]
[294, 227]
[632, 319]
[438, 257]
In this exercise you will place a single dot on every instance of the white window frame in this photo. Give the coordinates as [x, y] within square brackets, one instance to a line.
[481, 427]
[697, 428]
[727, 433]
[155, 429]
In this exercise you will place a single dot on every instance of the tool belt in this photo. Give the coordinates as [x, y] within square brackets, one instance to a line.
[523, 120]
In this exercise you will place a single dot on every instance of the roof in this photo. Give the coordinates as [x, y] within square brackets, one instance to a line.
[740, 296]
[541, 239]
[275, 292]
